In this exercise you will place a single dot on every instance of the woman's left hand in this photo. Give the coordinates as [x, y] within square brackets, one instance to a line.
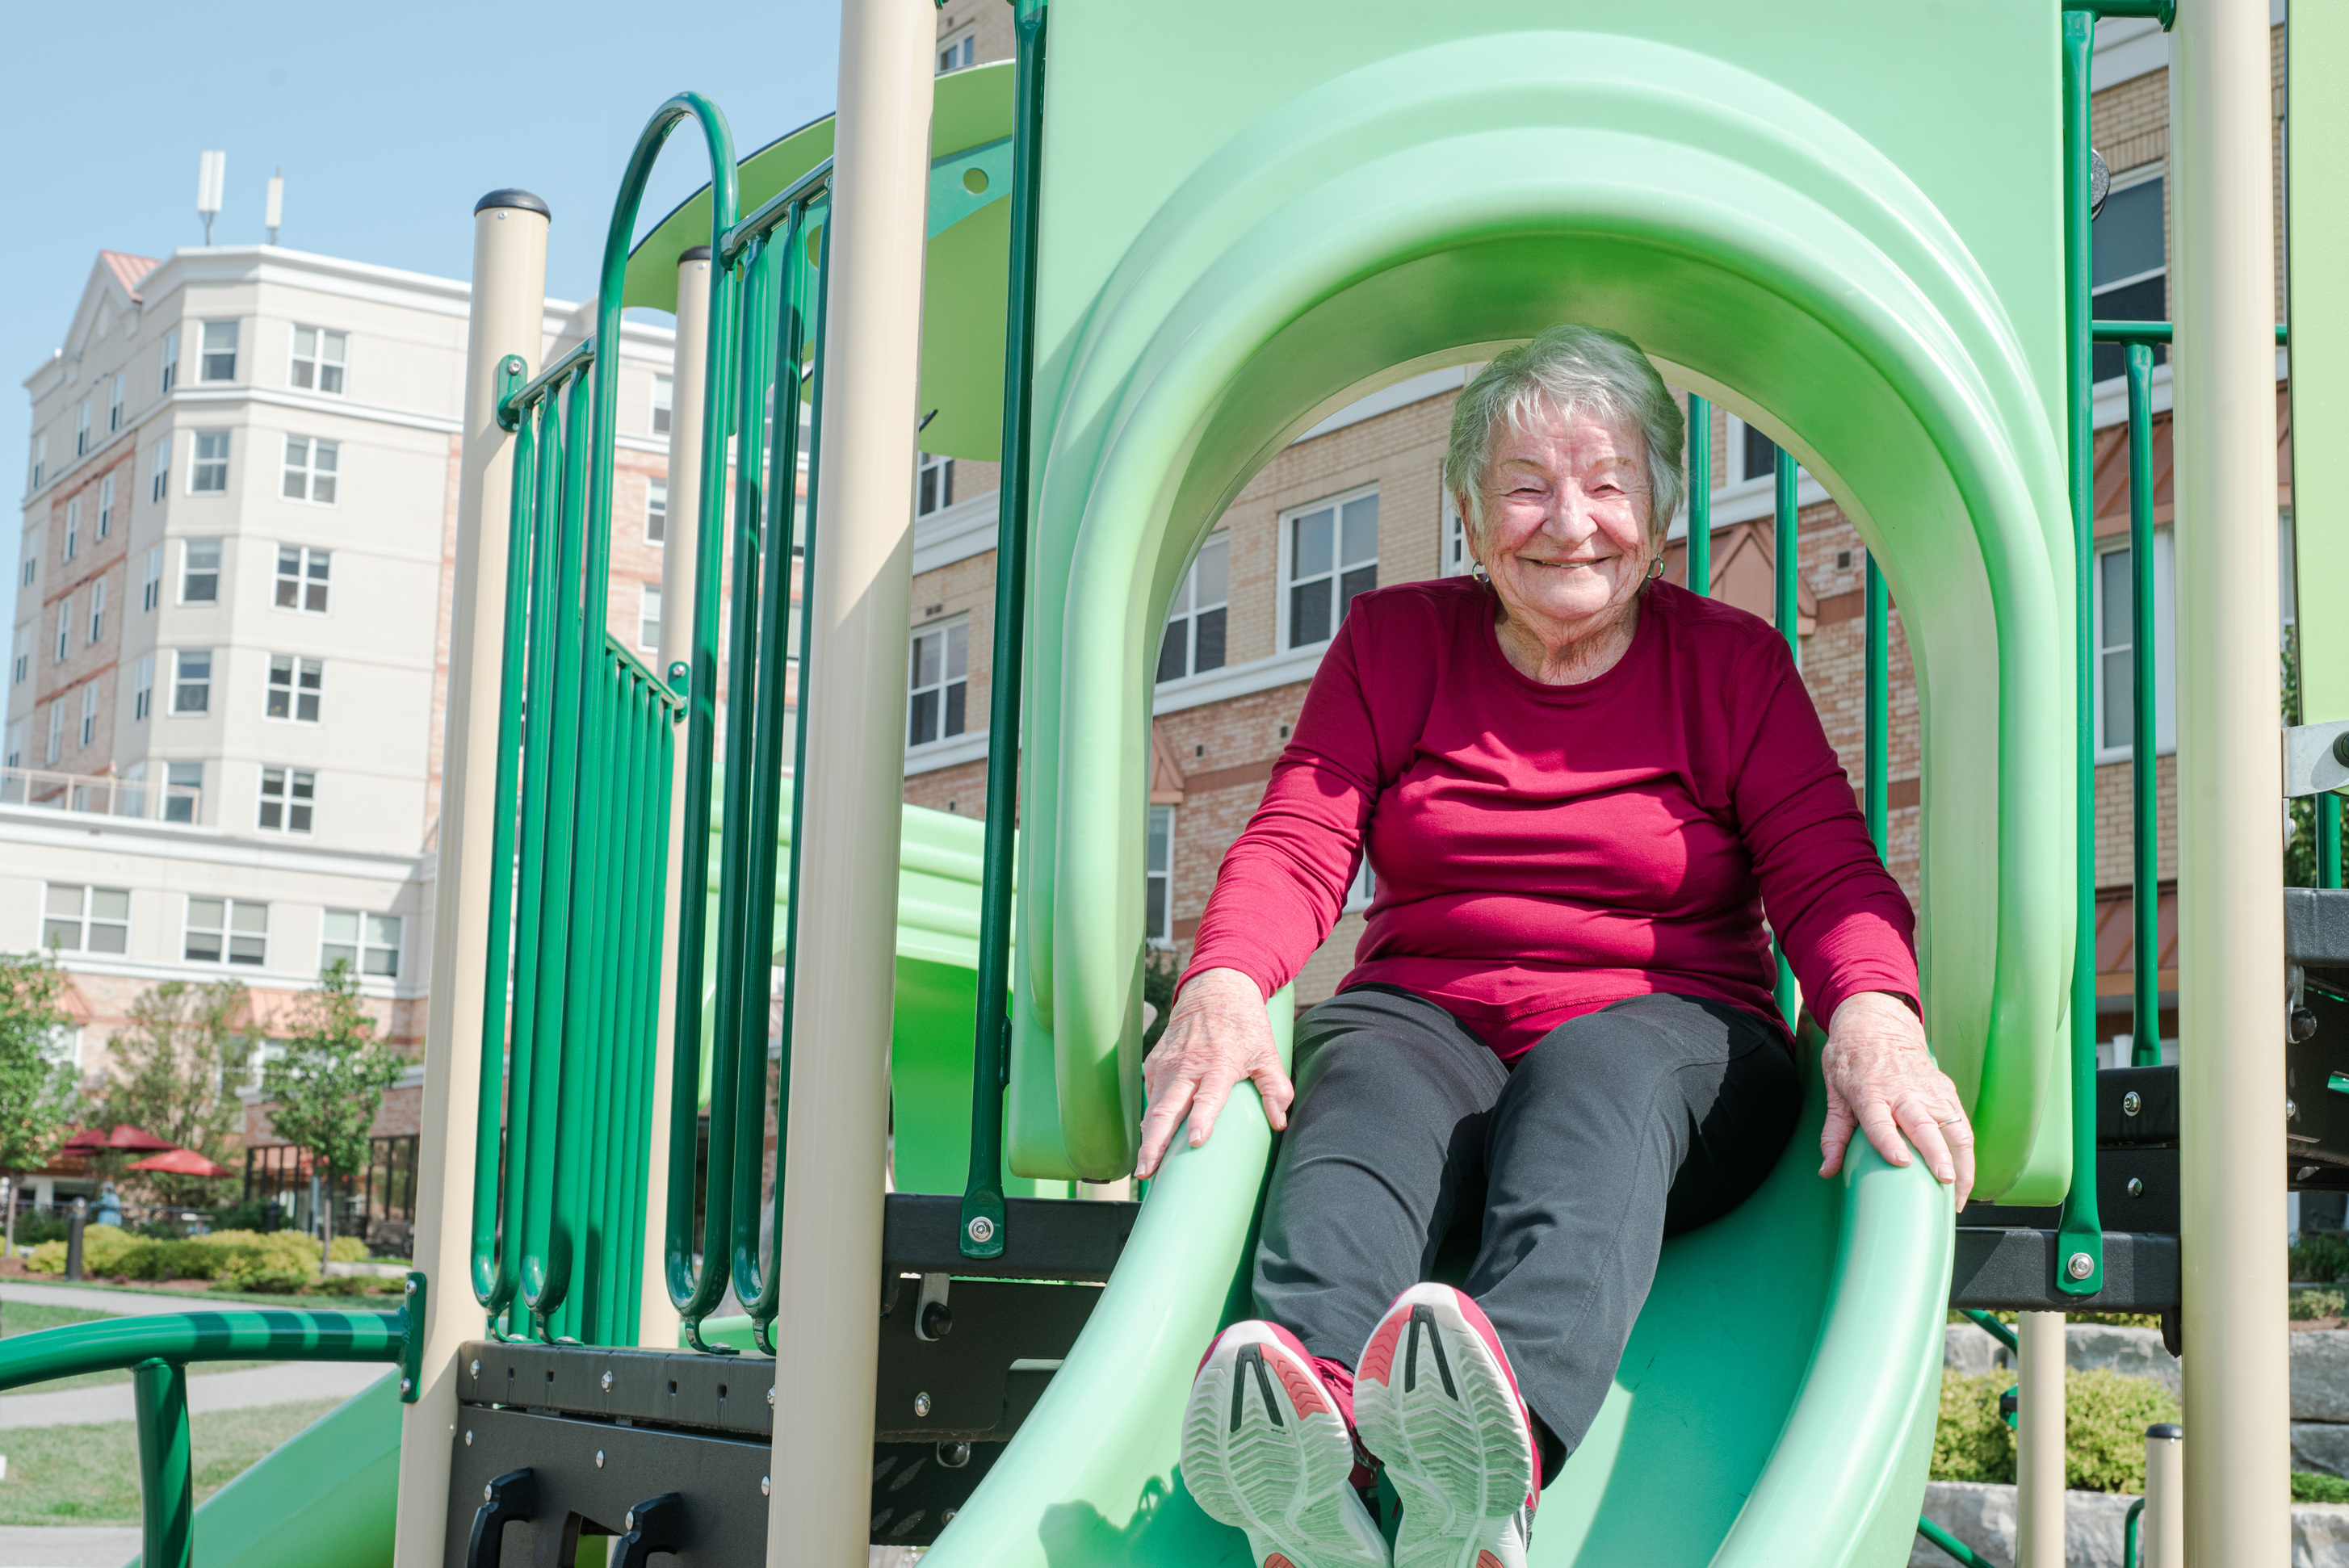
[1881, 1080]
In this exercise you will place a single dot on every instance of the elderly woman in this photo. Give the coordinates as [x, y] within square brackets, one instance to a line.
[1580, 789]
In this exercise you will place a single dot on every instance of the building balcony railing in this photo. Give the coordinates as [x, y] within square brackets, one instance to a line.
[100, 795]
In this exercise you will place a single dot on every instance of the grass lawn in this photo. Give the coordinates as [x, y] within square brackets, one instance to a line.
[29, 1317]
[198, 1299]
[89, 1475]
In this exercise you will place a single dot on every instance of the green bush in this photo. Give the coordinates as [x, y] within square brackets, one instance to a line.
[2320, 1258]
[2105, 1417]
[2307, 1305]
[234, 1260]
[347, 1250]
[268, 1281]
[2309, 1487]
[102, 1251]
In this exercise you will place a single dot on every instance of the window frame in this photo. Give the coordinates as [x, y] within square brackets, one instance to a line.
[1185, 594]
[313, 475]
[81, 429]
[150, 585]
[662, 417]
[106, 506]
[206, 355]
[649, 615]
[2154, 173]
[942, 628]
[362, 941]
[86, 919]
[181, 685]
[1285, 565]
[303, 691]
[88, 715]
[189, 569]
[97, 611]
[656, 510]
[227, 930]
[168, 375]
[2164, 646]
[160, 479]
[20, 657]
[142, 692]
[200, 467]
[296, 796]
[1157, 836]
[116, 393]
[72, 546]
[64, 630]
[963, 40]
[40, 459]
[316, 360]
[941, 495]
[54, 749]
[311, 579]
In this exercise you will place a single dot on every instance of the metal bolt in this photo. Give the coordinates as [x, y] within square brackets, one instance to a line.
[411, 1287]
[476, 1367]
[628, 1519]
[921, 1404]
[485, 1494]
[2341, 748]
[469, 1436]
[982, 1229]
[765, 1486]
[947, 1517]
[2290, 1109]
[771, 1397]
[2136, 1186]
[407, 1386]
[2080, 1265]
[599, 1459]
[2131, 1103]
[608, 1388]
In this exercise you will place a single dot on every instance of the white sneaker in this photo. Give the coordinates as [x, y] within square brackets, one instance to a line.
[1435, 1399]
[1265, 1449]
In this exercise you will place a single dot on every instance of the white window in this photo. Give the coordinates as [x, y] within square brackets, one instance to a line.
[80, 919]
[98, 610]
[20, 666]
[150, 585]
[2129, 277]
[1158, 879]
[295, 686]
[219, 362]
[200, 571]
[656, 510]
[2115, 671]
[1359, 890]
[56, 746]
[184, 789]
[106, 506]
[664, 403]
[32, 559]
[648, 613]
[1194, 638]
[310, 467]
[12, 754]
[208, 474]
[319, 359]
[73, 528]
[286, 796]
[1748, 453]
[1453, 559]
[171, 362]
[142, 696]
[935, 676]
[369, 944]
[158, 463]
[191, 687]
[1330, 555]
[65, 627]
[301, 574]
[934, 485]
[90, 712]
[114, 402]
[958, 52]
[81, 429]
[227, 930]
[40, 459]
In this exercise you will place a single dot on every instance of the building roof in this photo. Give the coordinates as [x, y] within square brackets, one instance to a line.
[128, 270]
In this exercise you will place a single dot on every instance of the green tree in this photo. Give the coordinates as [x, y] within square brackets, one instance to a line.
[38, 1091]
[329, 1084]
[182, 1057]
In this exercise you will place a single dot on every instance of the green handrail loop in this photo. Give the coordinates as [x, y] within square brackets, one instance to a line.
[982, 1205]
[2145, 1043]
[1952, 1545]
[1878, 760]
[166, 1478]
[1785, 578]
[1700, 494]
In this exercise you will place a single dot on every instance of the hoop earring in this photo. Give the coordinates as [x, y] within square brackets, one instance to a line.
[1477, 570]
[1655, 568]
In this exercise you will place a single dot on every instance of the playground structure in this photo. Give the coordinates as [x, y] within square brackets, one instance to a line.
[1131, 287]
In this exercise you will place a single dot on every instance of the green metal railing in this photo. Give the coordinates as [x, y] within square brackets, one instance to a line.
[157, 1351]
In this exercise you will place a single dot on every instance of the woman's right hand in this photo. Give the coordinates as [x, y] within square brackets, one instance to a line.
[1217, 1034]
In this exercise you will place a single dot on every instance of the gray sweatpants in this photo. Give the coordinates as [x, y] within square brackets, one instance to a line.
[1651, 1117]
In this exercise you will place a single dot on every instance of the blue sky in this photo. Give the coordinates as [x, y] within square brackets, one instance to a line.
[388, 121]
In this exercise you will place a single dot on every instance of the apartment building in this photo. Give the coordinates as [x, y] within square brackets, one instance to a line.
[229, 647]
[1354, 504]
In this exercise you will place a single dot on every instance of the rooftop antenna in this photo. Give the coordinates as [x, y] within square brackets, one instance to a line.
[276, 212]
[212, 174]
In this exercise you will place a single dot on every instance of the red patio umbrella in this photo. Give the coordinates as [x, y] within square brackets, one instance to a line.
[126, 1136]
[88, 1141]
[181, 1162]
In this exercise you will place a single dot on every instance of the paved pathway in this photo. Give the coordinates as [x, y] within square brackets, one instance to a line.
[68, 1545]
[285, 1383]
[120, 1303]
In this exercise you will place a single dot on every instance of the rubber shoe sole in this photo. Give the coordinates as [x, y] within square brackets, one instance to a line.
[1434, 1400]
[1265, 1449]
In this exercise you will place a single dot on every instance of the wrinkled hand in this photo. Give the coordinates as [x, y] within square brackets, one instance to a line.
[1217, 1036]
[1881, 1080]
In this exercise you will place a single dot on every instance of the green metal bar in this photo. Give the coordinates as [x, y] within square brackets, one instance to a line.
[2129, 1533]
[2145, 1049]
[1700, 504]
[1997, 1330]
[1952, 1545]
[2328, 840]
[2080, 1241]
[1786, 572]
[493, 1284]
[166, 1479]
[982, 1202]
[1879, 761]
[783, 205]
[812, 281]
[258, 1334]
[2152, 332]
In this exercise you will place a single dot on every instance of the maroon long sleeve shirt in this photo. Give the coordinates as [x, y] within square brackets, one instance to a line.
[1538, 851]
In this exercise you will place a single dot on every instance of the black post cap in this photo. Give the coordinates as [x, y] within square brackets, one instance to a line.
[695, 253]
[2165, 1430]
[513, 196]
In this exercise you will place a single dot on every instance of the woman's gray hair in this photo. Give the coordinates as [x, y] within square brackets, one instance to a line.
[1571, 369]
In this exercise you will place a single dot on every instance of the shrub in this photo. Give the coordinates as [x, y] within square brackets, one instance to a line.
[268, 1281]
[2310, 1305]
[2322, 1257]
[2106, 1413]
[102, 1251]
[2309, 1487]
[347, 1250]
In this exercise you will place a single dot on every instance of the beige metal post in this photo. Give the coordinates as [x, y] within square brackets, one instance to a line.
[509, 314]
[2230, 787]
[827, 1336]
[2039, 1440]
[2161, 1531]
[656, 1319]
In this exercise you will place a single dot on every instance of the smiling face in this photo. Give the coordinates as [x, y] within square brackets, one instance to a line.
[1564, 533]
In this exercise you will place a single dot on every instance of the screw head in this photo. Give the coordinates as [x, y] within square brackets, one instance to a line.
[2080, 1265]
[469, 1436]
[921, 1404]
[765, 1486]
[476, 1367]
[407, 1384]
[485, 1491]
[2290, 1111]
[628, 1521]
[771, 1397]
[608, 1388]
[2131, 1103]
[411, 1287]
[2136, 1186]
[599, 1459]
[982, 1229]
